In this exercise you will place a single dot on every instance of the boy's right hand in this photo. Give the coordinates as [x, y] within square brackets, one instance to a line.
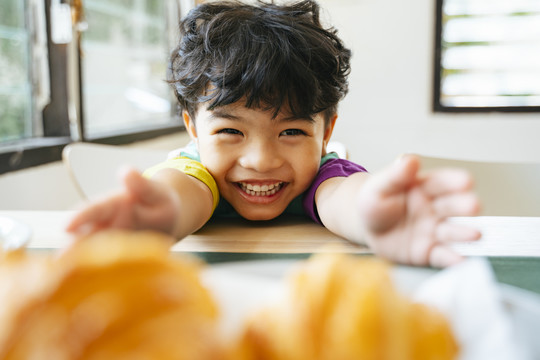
[141, 204]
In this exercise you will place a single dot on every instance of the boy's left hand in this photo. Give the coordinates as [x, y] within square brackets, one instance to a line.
[406, 213]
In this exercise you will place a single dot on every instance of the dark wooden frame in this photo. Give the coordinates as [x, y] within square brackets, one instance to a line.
[56, 130]
[437, 106]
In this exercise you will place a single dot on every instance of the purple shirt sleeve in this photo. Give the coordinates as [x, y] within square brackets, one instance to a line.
[331, 168]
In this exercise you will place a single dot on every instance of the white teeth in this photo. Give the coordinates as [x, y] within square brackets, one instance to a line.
[261, 190]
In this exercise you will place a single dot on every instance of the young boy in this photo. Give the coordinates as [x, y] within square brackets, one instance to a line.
[258, 86]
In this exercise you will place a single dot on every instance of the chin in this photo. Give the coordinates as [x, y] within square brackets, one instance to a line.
[260, 215]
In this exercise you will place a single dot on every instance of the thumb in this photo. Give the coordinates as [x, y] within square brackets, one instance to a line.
[383, 199]
[398, 177]
[139, 187]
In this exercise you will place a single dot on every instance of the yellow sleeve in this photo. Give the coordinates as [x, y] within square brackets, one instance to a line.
[189, 167]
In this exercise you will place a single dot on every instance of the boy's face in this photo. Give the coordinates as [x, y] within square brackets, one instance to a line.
[260, 163]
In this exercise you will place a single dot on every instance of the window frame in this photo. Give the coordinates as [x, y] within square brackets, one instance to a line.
[47, 148]
[437, 106]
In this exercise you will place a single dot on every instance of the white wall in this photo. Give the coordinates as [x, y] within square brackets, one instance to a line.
[387, 112]
[388, 109]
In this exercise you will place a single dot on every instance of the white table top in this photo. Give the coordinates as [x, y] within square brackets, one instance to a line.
[502, 236]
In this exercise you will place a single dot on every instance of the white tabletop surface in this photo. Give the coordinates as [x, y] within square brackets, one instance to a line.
[502, 236]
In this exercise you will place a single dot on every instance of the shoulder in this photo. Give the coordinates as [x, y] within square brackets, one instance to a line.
[337, 167]
[332, 167]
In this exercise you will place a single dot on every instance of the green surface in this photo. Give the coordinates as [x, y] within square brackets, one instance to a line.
[523, 272]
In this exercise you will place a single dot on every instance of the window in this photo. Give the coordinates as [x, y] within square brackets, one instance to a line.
[94, 75]
[487, 55]
[15, 82]
[125, 51]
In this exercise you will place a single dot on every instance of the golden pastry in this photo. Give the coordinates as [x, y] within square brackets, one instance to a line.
[344, 307]
[121, 294]
[113, 295]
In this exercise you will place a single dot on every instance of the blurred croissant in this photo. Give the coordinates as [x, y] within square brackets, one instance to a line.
[115, 295]
[341, 307]
[120, 294]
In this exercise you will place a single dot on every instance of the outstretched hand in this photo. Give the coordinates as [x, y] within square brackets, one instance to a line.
[406, 213]
[140, 204]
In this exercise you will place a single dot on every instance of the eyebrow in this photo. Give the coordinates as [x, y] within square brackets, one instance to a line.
[297, 118]
[224, 114]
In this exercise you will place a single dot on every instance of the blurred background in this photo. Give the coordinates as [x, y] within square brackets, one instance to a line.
[451, 78]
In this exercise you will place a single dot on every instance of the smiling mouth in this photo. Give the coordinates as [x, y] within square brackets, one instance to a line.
[261, 190]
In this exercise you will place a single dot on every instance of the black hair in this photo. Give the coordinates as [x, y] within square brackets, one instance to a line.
[270, 55]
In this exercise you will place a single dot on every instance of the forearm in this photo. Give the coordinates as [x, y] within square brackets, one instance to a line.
[195, 200]
[336, 201]
[400, 214]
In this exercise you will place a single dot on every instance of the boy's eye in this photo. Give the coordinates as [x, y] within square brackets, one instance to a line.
[229, 131]
[292, 132]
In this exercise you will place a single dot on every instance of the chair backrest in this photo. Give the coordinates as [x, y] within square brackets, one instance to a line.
[94, 167]
[505, 189]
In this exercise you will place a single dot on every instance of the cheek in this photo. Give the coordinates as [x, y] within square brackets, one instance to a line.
[215, 160]
[307, 165]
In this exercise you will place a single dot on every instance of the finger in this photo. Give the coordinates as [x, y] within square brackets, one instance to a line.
[82, 227]
[78, 225]
[87, 229]
[441, 256]
[139, 187]
[449, 232]
[89, 218]
[458, 204]
[444, 181]
[398, 177]
[76, 222]
[82, 223]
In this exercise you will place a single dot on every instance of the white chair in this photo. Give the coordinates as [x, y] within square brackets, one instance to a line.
[94, 167]
[505, 189]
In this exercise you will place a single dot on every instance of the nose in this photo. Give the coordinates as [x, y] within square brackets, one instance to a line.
[261, 156]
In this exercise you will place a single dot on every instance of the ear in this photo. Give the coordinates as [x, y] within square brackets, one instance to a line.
[329, 128]
[190, 126]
